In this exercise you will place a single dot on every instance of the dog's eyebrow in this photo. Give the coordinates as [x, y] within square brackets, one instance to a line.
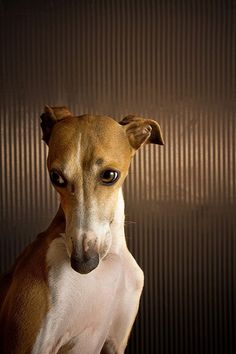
[99, 162]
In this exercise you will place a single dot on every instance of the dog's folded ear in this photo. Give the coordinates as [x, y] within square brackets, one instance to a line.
[142, 131]
[51, 116]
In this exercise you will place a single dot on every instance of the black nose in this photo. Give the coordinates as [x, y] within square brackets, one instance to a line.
[86, 263]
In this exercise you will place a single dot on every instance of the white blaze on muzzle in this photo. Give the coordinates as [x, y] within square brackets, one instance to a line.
[87, 242]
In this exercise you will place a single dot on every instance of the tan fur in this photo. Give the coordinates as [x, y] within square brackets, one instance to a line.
[24, 293]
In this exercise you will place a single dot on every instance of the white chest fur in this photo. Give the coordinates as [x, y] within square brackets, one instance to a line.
[81, 306]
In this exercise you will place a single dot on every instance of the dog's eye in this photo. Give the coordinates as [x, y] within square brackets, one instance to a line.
[109, 177]
[57, 179]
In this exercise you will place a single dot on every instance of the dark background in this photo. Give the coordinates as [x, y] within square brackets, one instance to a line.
[173, 61]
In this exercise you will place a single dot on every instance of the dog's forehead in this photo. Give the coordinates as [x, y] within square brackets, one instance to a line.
[97, 137]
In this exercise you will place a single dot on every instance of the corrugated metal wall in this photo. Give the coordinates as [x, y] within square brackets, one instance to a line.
[173, 61]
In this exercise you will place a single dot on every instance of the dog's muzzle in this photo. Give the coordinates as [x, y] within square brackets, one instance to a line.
[85, 264]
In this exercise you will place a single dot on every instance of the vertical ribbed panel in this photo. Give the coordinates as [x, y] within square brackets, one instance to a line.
[173, 61]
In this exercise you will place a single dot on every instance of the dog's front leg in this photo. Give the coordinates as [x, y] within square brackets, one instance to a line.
[127, 306]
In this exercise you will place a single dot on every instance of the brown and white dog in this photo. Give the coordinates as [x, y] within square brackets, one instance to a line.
[76, 288]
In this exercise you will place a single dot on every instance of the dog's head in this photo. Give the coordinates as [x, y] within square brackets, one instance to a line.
[88, 161]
